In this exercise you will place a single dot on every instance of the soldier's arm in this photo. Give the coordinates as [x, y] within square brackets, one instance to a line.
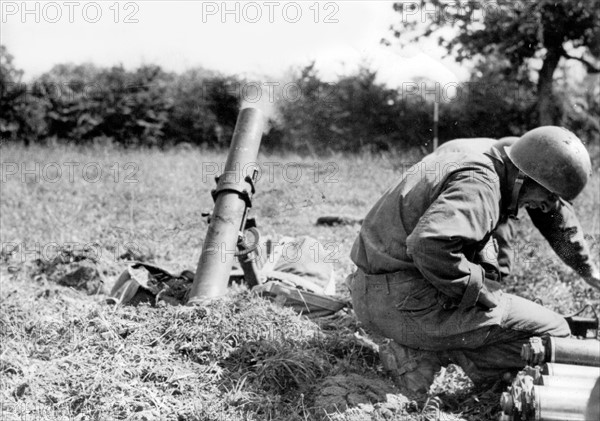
[561, 228]
[462, 216]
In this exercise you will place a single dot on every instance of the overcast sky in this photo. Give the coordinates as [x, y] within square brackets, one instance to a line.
[246, 38]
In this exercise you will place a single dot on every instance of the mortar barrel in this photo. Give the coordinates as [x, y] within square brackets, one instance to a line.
[569, 370]
[217, 257]
[573, 351]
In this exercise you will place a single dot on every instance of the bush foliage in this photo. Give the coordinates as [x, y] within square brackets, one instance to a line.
[151, 107]
[144, 107]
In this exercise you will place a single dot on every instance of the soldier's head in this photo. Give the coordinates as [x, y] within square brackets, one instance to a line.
[554, 164]
[536, 196]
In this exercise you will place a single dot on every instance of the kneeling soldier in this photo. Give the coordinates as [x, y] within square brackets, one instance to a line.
[426, 276]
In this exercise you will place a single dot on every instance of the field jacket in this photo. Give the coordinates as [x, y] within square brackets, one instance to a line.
[440, 217]
[560, 227]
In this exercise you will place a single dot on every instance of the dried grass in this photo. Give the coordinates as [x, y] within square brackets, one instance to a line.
[67, 355]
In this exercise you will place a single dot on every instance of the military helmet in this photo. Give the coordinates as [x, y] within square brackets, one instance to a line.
[553, 157]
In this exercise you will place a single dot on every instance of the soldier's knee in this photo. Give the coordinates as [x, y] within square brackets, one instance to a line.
[563, 330]
[558, 327]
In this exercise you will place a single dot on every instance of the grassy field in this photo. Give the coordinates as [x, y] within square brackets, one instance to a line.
[67, 355]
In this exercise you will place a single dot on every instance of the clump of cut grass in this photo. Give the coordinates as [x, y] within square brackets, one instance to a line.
[251, 356]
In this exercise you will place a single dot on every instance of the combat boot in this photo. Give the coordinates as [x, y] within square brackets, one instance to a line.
[412, 370]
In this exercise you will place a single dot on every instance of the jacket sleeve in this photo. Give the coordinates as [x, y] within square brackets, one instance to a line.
[460, 219]
[562, 230]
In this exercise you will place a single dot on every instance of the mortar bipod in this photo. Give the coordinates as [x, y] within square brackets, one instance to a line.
[248, 254]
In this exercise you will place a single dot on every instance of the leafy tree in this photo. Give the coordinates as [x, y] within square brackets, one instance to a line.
[353, 114]
[85, 102]
[223, 98]
[146, 106]
[64, 94]
[521, 32]
[10, 79]
[493, 103]
[134, 106]
[306, 113]
[21, 115]
[205, 108]
[580, 103]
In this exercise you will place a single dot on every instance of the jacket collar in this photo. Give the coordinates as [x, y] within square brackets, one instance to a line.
[510, 180]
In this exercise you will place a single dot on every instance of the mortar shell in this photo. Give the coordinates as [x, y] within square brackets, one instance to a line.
[573, 351]
[507, 403]
[569, 370]
[567, 382]
[560, 404]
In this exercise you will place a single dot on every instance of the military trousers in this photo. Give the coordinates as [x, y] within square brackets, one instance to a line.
[405, 307]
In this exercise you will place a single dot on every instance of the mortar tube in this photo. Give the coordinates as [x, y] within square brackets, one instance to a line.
[573, 351]
[569, 370]
[218, 249]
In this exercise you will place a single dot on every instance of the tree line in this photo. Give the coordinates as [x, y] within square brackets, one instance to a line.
[151, 107]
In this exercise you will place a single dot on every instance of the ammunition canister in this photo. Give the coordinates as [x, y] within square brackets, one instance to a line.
[567, 382]
[507, 403]
[562, 350]
[566, 370]
[574, 351]
[592, 411]
[560, 404]
[557, 399]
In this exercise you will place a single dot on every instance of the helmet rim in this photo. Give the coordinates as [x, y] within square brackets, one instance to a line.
[553, 157]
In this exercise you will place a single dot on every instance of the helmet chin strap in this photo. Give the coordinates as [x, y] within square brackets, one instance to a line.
[513, 208]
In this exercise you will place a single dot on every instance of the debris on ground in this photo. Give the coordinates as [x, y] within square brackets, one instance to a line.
[359, 393]
[452, 391]
[241, 357]
[338, 220]
[76, 270]
[144, 283]
[85, 278]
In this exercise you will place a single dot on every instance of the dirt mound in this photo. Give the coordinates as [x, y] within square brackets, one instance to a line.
[70, 270]
[85, 278]
[345, 394]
